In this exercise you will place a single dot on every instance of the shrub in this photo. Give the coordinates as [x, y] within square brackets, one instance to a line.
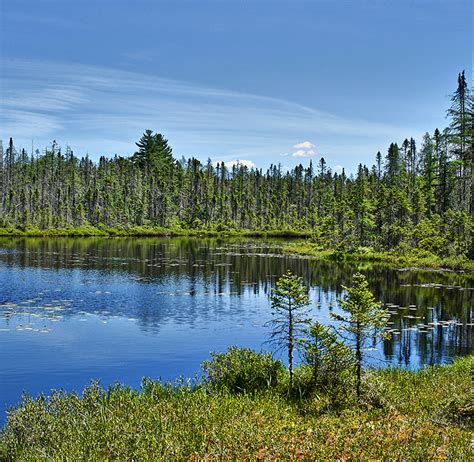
[302, 387]
[242, 370]
[328, 359]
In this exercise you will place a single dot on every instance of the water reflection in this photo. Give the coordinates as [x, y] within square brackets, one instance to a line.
[221, 284]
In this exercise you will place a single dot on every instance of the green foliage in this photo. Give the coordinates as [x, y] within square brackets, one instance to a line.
[289, 302]
[302, 387]
[403, 255]
[365, 316]
[459, 409]
[428, 235]
[242, 370]
[153, 152]
[329, 359]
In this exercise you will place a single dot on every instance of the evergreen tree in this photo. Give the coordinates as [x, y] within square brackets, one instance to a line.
[460, 138]
[428, 173]
[289, 302]
[365, 320]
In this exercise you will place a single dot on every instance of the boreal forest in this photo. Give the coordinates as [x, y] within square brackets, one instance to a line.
[414, 195]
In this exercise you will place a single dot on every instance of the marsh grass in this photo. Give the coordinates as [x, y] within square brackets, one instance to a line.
[410, 259]
[404, 416]
[142, 231]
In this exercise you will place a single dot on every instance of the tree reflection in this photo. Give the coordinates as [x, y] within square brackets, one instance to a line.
[211, 277]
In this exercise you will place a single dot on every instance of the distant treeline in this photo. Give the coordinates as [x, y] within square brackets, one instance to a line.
[411, 197]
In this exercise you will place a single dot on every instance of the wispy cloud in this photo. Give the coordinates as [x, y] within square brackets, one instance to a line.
[304, 153]
[304, 145]
[104, 111]
[46, 20]
[304, 150]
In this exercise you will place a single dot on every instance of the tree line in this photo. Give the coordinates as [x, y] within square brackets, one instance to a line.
[411, 196]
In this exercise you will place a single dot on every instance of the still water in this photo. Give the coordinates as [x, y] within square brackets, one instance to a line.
[72, 310]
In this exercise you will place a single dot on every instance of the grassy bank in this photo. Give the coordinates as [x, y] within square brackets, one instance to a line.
[405, 415]
[408, 259]
[143, 231]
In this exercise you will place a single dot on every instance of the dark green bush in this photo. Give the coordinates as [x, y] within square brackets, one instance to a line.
[329, 361]
[242, 370]
[302, 387]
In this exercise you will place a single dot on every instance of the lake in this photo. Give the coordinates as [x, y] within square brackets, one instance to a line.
[120, 309]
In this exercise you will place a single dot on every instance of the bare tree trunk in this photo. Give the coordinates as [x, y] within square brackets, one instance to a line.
[290, 342]
[358, 361]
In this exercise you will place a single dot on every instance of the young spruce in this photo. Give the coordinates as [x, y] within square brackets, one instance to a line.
[289, 302]
[365, 320]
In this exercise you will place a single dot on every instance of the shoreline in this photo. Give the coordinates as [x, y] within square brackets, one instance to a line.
[305, 249]
[145, 231]
[403, 262]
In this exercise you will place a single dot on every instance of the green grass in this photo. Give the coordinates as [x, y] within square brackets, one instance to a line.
[410, 259]
[406, 415]
[108, 231]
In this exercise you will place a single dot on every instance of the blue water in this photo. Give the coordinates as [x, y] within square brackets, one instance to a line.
[73, 310]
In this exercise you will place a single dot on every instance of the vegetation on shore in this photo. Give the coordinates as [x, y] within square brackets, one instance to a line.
[400, 257]
[144, 231]
[427, 414]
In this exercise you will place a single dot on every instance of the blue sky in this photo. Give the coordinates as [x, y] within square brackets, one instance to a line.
[261, 81]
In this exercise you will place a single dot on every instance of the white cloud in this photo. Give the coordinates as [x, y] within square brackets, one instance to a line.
[337, 169]
[304, 150]
[304, 145]
[299, 153]
[304, 153]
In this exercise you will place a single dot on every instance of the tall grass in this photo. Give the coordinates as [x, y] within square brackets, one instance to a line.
[405, 415]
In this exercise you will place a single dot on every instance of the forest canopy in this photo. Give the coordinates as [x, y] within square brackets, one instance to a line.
[412, 196]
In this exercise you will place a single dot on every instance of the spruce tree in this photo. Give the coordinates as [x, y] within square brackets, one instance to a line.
[289, 301]
[364, 320]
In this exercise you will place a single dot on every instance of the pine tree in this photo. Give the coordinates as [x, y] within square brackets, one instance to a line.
[460, 138]
[428, 173]
[365, 320]
[289, 302]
